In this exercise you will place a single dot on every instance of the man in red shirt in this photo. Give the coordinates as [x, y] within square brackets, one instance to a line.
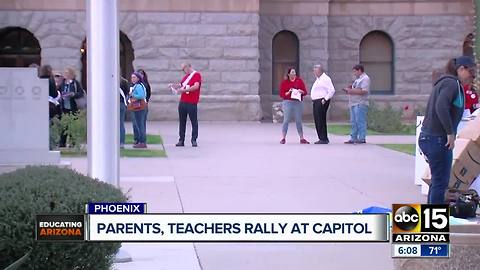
[189, 88]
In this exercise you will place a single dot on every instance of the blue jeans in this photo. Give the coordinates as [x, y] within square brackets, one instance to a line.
[145, 123]
[295, 108]
[358, 118]
[123, 109]
[439, 158]
[138, 121]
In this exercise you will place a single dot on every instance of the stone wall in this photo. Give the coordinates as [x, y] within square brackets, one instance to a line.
[312, 33]
[223, 47]
[421, 45]
[60, 34]
[233, 51]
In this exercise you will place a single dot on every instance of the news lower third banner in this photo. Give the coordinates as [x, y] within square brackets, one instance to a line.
[130, 222]
[238, 227]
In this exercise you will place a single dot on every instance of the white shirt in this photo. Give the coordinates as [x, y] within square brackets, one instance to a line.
[322, 88]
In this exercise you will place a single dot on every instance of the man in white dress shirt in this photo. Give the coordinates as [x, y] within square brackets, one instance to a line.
[321, 93]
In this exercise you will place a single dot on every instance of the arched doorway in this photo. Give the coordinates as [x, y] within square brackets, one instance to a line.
[18, 48]
[376, 55]
[285, 54]
[126, 58]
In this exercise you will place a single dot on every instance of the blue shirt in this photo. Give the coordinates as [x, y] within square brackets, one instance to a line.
[139, 91]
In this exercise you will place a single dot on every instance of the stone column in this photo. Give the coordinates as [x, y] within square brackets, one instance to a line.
[103, 95]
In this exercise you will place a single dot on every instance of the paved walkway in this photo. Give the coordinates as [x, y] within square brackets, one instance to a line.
[241, 167]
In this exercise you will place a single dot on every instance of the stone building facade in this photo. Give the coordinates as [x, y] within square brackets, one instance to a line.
[232, 44]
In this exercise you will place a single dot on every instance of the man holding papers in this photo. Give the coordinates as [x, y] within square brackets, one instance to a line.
[321, 93]
[189, 88]
[292, 91]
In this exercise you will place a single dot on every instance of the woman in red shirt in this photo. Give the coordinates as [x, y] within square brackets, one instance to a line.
[292, 91]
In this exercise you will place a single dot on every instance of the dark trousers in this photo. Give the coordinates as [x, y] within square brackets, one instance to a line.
[439, 159]
[190, 110]
[123, 110]
[63, 137]
[320, 117]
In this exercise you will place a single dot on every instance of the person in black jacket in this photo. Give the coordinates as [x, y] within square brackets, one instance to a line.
[149, 93]
[123, 91]
[443, 114]
[71, 89]
[45, 72]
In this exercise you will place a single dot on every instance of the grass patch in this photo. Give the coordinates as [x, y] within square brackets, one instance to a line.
[404, 148]
[69, 152]
[146, 153]
[142, 153]
[151, 139]
[126, 152]
[344, 129]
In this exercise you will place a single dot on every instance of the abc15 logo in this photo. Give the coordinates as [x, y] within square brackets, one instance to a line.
[420, 218]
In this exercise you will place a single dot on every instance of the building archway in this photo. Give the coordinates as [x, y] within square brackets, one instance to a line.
[285, 54]
[18, 48]
[126, 58]
[376, 55]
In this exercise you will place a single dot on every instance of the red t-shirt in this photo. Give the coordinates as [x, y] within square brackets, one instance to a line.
[471, 98]
[287, 85]
[194, 96]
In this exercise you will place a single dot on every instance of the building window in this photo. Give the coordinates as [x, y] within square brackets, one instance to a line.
[18, 48]
[376, 55]
[126, 58]
[468, 45]
[284, 55]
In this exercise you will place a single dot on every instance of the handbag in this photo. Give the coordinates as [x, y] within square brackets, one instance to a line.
[80, 101]
[136, 104]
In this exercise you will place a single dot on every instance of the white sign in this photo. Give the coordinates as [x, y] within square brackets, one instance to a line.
[24, 118]
[420, 163]
[239, 227]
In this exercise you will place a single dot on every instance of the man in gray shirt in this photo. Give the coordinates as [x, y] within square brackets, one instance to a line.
[358, 103]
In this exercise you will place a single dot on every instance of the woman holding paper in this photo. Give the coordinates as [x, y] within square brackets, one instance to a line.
[292, 91]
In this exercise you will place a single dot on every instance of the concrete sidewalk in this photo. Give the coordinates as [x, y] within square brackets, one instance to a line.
[241, 167]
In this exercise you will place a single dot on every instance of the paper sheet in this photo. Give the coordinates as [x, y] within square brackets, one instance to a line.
[296, 94]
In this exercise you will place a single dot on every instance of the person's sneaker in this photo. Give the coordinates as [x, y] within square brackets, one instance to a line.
[194, 144]
[361, 142]
[283, 141]
[303, 141]
[122, 146]
[350, 142]
[140, 145]
[180, 144]
[322, 142]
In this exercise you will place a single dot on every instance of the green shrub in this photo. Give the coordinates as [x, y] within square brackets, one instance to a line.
[387, 119]
[56, 129]
[75, 127]
[47, 189]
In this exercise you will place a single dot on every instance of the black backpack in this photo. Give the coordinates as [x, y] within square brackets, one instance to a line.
[466, 205]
